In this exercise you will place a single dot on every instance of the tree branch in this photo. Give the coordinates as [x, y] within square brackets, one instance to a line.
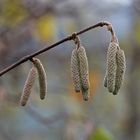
[43, 120]
[46, 48]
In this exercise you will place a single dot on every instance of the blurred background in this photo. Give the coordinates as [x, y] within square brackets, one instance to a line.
[27, 26]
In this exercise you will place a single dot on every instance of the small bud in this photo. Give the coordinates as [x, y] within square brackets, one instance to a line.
[42, 77]
[84, 72]
[28, 86]
[75, 71]
[121, 66]
[111, 66]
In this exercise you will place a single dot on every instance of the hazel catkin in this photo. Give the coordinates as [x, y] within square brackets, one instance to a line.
[42, 77]
[75, 71]
[121, 66]
[111, 66]
[28, 86]
[84, 72]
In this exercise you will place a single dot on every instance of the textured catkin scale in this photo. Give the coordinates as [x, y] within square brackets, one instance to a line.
[84, 71]
[42, 77]
[105, 80]
[85, 94]
[28, 86]
[75, 71]
[121, 66]
[111, 66]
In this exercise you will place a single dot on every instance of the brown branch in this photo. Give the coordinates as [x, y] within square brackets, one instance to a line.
[71, 37]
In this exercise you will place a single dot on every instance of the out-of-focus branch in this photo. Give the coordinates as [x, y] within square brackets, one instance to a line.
[71, 37]
[37, 8]
[43, 120]
[5, 135]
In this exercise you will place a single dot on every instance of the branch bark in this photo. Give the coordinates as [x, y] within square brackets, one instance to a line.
[46, 48]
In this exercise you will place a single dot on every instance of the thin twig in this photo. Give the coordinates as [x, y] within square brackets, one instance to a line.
[46, 48]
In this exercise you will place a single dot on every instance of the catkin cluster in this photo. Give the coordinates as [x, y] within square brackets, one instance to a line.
[79, 71]
[36, 69]
[113, 79]
[115, 70]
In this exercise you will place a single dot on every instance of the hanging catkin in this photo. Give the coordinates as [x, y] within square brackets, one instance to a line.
[111, 66]
[75, 71]
[121, 66]
[84, 72]
[42, 77]
[28, 86]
